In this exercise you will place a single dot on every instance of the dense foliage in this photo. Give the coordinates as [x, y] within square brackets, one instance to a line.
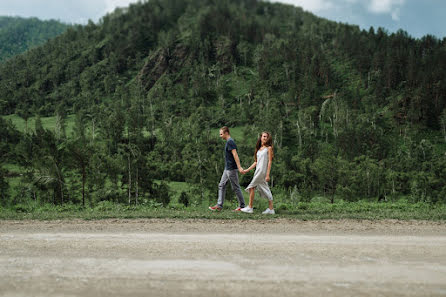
[18, 34]
[355, 114]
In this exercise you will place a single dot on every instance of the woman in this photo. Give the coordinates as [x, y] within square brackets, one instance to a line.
[263, 156]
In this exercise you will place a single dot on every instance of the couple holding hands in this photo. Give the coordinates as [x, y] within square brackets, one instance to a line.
[263, 157]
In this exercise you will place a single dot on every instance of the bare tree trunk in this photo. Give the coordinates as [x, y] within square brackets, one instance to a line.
[136, 185]
[130, 179]
[61, 192]
[59, 180]
[58, 127]
[83, 186]
[92, 122]
[299, 133]
[368, 183]
[281, 133]
[444, 131]
[368, 79]
[201, 176]
[151, 124]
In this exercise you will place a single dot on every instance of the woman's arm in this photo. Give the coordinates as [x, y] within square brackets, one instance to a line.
[270, 161]
[251, 167]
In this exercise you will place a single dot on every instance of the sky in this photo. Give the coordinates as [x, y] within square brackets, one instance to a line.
[417, 17]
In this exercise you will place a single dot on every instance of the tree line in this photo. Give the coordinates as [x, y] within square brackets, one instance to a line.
[17, 34]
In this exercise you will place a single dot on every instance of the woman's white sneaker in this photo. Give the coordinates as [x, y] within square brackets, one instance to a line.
[269, 211]
[247, 209]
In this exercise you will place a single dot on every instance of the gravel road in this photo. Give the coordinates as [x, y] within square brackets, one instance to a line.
[222, 258]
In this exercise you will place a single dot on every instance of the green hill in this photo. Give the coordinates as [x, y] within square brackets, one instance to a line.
[17, 35]
[355, 114]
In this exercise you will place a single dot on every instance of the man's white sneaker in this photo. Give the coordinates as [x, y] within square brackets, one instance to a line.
[269, 211]
[247, 209]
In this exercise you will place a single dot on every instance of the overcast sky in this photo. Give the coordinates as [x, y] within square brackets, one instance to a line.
[417, 17]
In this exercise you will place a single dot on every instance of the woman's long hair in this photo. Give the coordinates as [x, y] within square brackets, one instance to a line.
[269, 142]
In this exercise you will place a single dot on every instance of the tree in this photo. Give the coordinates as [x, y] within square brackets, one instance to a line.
[131, 154]
[80, 151]
[24, 112]
[49, 164]
[327, 168]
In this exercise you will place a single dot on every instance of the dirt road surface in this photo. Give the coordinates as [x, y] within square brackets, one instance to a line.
[222, 258]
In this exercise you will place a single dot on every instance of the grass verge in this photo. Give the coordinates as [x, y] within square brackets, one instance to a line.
[302, 211]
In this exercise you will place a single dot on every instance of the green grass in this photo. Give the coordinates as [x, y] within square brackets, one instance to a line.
[12, 167]
[50, 122]
[301, 211]
[13, 181]
[176, 188]
[241, 81]
[47, 123]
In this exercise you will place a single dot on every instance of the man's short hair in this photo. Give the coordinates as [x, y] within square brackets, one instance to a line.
[225, 129]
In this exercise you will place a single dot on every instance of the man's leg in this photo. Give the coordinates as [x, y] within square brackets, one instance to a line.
[222, 188]
[233, 177]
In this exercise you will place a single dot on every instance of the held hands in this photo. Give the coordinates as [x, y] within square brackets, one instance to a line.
[243, 171]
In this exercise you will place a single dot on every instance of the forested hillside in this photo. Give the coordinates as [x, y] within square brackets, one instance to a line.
[19, 34]
[354, 114]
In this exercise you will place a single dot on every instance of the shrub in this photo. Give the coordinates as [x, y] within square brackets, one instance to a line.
[105, 206]
[184, 199]
[162, 194]
[22, 207]
[283, 206]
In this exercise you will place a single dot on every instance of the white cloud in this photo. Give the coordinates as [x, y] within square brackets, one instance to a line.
[310, 5]
[110, 5]
[396, 15]
[391, 7]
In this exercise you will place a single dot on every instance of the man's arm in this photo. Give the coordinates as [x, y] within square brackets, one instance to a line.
[237, 160]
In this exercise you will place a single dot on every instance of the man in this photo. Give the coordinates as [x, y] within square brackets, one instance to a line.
[232, 164]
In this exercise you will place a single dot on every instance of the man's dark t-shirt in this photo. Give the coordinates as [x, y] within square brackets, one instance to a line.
[229, 158]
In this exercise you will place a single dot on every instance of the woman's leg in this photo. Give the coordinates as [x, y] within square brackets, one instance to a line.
[251, 196]
[270, 204]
